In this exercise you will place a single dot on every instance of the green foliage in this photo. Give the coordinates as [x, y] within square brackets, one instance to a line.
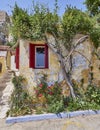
[75, 21]
[95, 31]
[21, 23]
[42, 21]
[93, 94]
[21, 102]
[34, 26]
[81, 104]
[10, 44]
[17, 81]
[56, 106]
[50, 97]
[93, 6]
[95, 36]
[90, 100]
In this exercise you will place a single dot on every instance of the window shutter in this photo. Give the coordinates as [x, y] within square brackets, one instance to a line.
[17, 58]
[46, 56]
[32, 56]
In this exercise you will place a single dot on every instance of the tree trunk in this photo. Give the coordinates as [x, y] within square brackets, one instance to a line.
[57, 49]
[66, 77]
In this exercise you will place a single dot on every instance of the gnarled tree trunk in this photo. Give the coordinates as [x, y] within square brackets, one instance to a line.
[57, 49]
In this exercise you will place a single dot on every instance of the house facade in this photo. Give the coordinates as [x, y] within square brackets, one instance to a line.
[35, 59]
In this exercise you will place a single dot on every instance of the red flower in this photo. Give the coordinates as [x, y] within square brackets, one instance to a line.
[40, 95]
[51, 93]
[40, 85]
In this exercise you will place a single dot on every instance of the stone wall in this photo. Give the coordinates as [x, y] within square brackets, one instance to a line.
[13, 64]
[3, 62]
[8, 60]
[96, 68]
[83, 62]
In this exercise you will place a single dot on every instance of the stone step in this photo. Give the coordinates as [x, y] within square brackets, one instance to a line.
[7, 76]
[2, 88]
[2, 85]
[4, 80]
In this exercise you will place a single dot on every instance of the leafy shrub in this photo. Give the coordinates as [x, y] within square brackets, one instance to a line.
[95, 36]
[56, 106]
[93, 94]
[50, 97]
[21, 102]
[74, 22]
[90, 100]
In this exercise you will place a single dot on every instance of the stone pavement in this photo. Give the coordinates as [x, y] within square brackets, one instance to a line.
[77, 123]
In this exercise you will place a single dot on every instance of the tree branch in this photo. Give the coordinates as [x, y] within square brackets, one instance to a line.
[63, 70]
[82, 39]
[83, 56]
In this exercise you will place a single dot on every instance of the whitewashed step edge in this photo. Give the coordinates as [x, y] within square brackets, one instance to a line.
[50, 116]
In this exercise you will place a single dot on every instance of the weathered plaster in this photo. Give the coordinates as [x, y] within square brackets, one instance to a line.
[8, 59]
[81, 61]
[13, 65]
[80, 68]
[32, 76]
[3, 61]
[96, 70]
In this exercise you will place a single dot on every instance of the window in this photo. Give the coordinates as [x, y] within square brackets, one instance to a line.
[38, 56]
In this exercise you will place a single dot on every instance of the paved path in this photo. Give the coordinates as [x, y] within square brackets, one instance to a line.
[6, 88]
[77, 123]
[6, 77]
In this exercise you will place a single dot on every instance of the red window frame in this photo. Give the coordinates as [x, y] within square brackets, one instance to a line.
[32, 55]
[17, 58]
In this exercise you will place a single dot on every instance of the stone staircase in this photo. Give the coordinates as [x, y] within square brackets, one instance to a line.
[4, 79]
[6, 89]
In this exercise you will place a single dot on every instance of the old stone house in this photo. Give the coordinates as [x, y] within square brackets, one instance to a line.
[35, 58]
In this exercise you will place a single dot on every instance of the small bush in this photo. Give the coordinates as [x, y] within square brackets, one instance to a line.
[50, 96]
[93, 94]
[89, 100]
[21, 102]
[50, 99]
